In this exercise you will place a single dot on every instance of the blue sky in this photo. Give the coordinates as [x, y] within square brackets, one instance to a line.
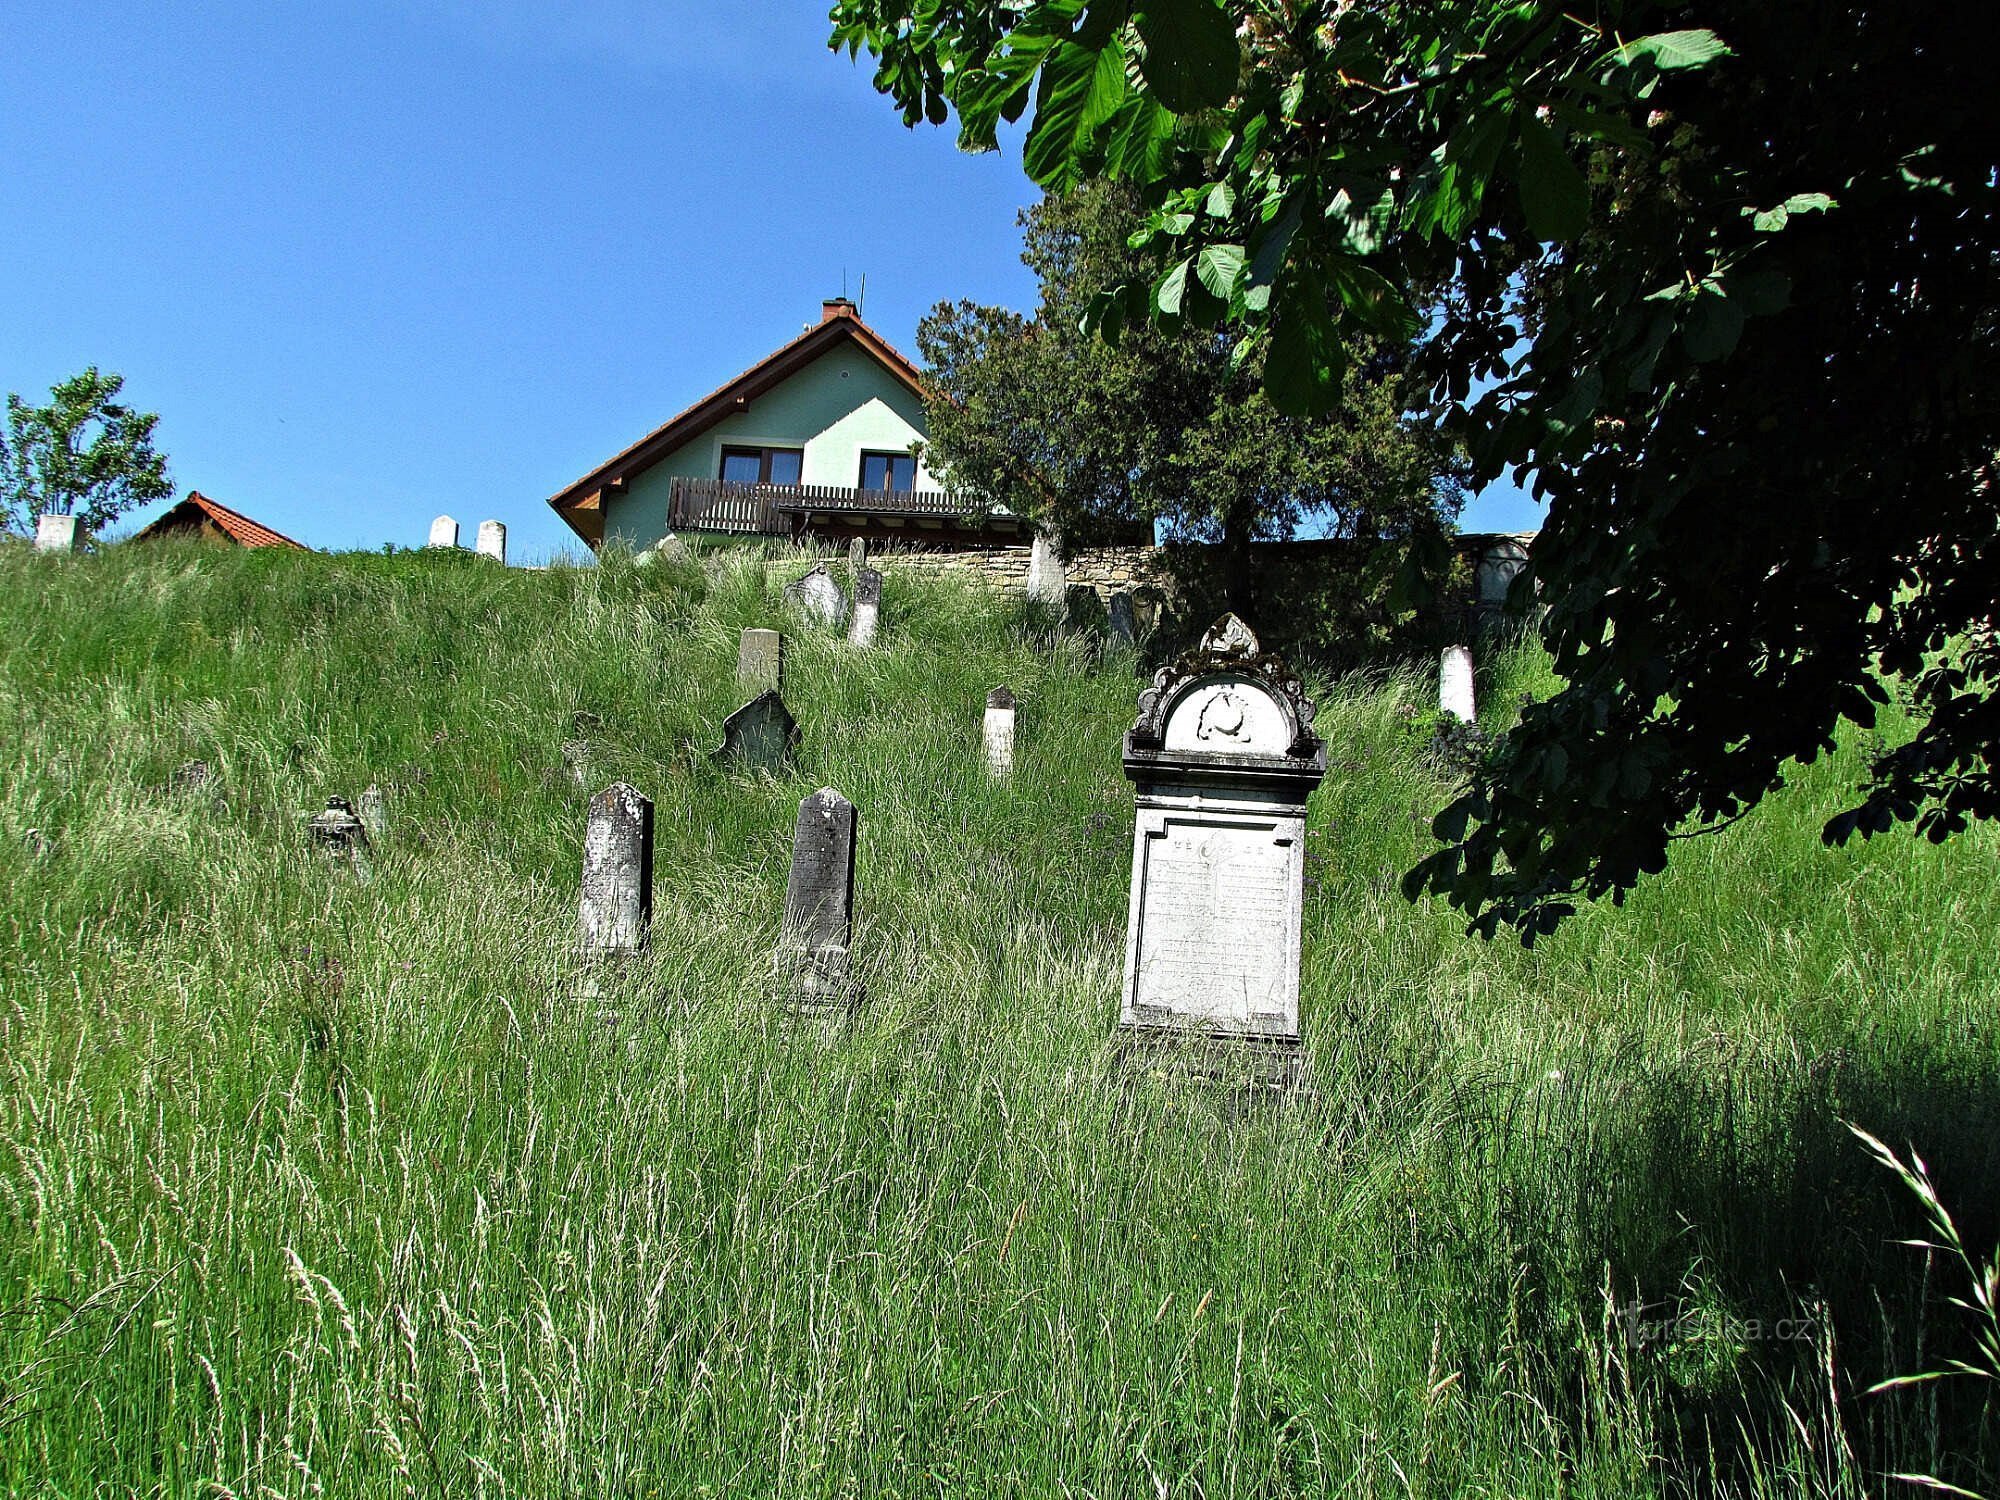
[374, 261]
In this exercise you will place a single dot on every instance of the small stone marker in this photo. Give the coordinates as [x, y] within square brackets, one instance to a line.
[999, 732]
[576, 756]
[1455, 698]
[867, 607]
[57, 533]
[1124, 620]
[819, 596]
[1222, 757]
[340, 834]
[616, 908]
[493, 541]
[759, 735]
[760, 660]
[819, 902]
[857, 556]
[1048, 579]
[374, 812]
[444, 532]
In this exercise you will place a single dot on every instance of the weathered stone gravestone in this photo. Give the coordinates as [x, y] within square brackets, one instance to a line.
[493, 541]
[1222, 757]
[374, 812]
[759, 735]
[57, 533]
[339, 833]
[813, 947]
[1124, 621]
[857, 556]
[867, 607]
[999, 732]
[1455, 698]
[1048, 579]
[616, 908]
[576, 759]
[819, 596]
[760, 660]
[444, 532]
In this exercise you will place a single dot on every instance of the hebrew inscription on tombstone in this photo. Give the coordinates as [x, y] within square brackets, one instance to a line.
[819, 596]
[819, 902]
[867, 607]
[1222, 758]
[760, 660]
[759, 735]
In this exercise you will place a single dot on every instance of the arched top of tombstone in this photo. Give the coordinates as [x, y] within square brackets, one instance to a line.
[1228, 696]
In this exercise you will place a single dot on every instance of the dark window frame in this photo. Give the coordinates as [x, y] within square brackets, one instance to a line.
[893, 455]
[763, 455]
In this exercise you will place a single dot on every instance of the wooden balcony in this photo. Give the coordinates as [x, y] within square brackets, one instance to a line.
[799, 510]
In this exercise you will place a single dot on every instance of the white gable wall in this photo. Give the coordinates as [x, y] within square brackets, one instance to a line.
[842, 404]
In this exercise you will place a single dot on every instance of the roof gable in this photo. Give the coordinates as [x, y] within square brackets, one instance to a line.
[581, 504]
[238, 527]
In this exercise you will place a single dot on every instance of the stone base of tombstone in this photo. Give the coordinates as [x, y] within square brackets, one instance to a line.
[1246, 1066]
[817, 985]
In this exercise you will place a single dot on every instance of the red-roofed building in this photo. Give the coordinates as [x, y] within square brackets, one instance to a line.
[823, 437]
[199, 516]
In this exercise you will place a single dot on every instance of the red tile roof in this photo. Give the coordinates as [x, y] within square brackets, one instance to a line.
[581, 504]
[238, 527]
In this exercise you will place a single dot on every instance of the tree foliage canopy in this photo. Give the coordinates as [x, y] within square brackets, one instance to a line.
[1104, 440]
[1719, 276]
[85, 454]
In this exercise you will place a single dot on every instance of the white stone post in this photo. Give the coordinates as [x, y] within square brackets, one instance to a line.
[1048, 579]
[999, 732]
[1455, 685]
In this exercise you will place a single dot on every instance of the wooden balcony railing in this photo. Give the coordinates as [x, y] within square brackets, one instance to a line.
[773, 509]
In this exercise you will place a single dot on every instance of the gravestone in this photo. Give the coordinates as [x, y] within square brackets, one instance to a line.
[1048, 579]
[444, 532]
[374, 812]
[1455, 698]
[819, 596]
[759, 735]
[1124, 626]
[616, 907]
[857, 556]
[1222, 757]
[999, 732]
[576, 757]
[338, 832]
[57, 533]
[760, 660]
[818, 928]
[867, 607]
[493, 541]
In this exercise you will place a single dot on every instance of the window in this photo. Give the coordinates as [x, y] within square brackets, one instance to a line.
[889, 471]
[762, 465]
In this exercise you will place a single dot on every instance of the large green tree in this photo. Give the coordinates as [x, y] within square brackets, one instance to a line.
[1719, 277]
[85, 454]
[1165, 426]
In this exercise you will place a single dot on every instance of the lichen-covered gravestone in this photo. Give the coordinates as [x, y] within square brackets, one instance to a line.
[615, 910]
[1222, 757]
[819, 596]
[998, 732]
[759, 735]
[760, 660]
[819, 903]
[867, 607]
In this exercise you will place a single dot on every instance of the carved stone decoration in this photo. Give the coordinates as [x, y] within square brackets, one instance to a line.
[1222, 759]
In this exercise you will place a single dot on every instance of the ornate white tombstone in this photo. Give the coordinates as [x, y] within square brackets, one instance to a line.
[1222, 758]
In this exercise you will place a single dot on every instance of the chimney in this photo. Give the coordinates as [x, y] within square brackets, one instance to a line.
[835, 307]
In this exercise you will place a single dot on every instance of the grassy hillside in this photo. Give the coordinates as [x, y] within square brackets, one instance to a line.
[309, 1186]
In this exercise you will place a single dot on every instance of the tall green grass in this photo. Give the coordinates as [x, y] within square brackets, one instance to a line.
[313, 1186]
